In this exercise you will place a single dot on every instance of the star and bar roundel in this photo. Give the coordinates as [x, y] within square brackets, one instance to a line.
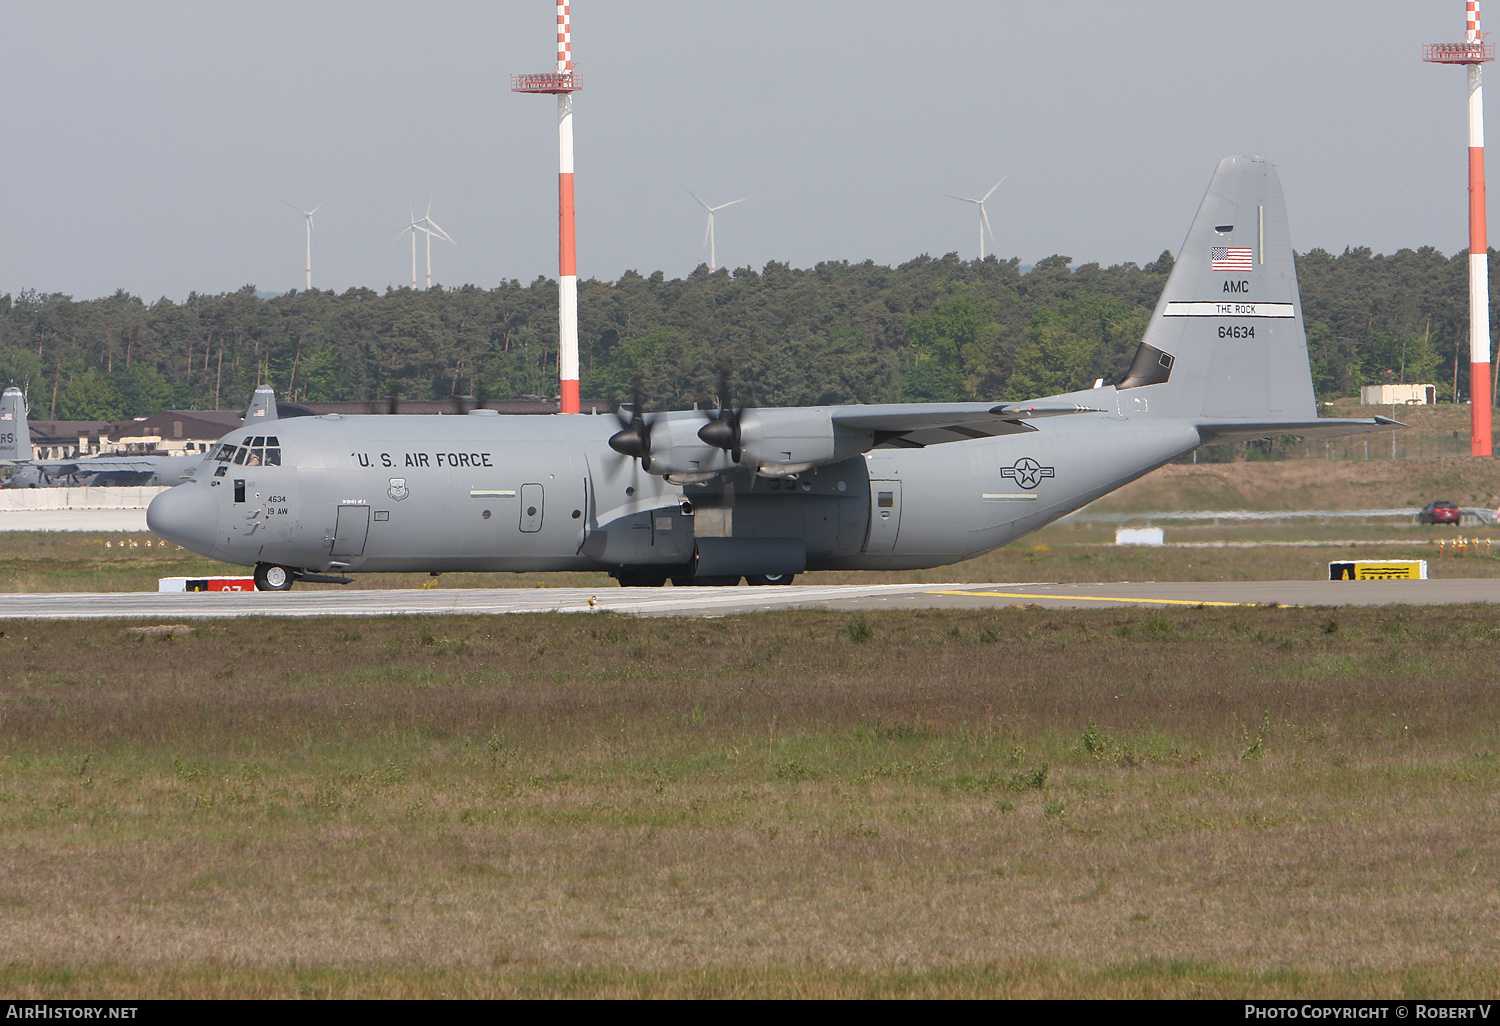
[1027, 472]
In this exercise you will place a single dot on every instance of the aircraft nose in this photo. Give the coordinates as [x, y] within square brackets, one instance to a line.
[186, 515]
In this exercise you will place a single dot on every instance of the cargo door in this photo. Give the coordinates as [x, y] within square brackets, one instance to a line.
[350, 531]
[885, 516]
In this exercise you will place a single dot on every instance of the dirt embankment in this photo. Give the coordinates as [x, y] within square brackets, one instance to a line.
[1311, 484]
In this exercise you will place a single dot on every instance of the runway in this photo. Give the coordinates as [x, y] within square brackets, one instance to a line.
[731, 601]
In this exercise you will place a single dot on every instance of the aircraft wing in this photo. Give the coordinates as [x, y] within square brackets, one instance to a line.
[1324, 427]
[164, 467]
[914, 425]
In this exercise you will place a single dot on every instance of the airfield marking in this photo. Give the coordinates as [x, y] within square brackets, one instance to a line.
[1095, 598]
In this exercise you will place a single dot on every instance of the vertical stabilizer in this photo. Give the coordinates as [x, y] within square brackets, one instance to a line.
[1226, 340]
[262, 406]
[15, 433]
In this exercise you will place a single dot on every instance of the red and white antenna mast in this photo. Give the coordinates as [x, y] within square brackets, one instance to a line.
[1473, 52]
[562, 81]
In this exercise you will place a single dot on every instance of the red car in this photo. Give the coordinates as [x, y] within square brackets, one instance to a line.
[1440, 512]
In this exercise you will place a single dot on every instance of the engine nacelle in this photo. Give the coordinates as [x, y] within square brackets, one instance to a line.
[779, 443]
[677, 451]
[688, 447]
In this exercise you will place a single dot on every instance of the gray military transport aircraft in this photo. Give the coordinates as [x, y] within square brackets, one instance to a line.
[118, 471]
[709, 497]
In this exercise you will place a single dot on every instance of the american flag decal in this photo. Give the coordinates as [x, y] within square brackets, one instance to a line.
[1229, 258]
[7, 415]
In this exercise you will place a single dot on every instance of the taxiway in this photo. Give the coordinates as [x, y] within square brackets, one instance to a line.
[728, 601]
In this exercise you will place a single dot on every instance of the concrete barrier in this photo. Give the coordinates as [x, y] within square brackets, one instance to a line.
[16, 499]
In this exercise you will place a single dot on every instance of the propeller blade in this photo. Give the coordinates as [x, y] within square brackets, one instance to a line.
[994, 187]
[634, 439]
[723, 429]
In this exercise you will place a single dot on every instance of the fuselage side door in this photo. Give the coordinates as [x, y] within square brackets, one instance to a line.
[350, 531]
[531, 508]
[885, 515]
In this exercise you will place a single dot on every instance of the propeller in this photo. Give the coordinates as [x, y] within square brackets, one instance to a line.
[723, 430]
[634, 438]
[376, 401]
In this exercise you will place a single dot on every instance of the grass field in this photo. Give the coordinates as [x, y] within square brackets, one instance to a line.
[1269, 802]
[1014, 803]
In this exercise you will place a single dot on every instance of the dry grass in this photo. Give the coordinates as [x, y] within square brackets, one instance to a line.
[1020, 803]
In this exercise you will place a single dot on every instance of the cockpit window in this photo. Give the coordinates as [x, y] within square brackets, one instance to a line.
[239, 456]
[225, 453]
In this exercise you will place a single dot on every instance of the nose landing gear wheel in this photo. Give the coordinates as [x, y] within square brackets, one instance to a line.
[271, 577]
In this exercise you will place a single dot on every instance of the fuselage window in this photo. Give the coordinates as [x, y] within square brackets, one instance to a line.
[887, 500]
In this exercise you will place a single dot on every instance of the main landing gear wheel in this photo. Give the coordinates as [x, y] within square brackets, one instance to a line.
[272, 577]
[770, 578]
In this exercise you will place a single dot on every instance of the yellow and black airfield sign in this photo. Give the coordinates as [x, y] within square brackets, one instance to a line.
[1378, 570]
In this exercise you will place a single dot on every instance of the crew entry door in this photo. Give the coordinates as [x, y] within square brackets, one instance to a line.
[885, 516]
[350, 531]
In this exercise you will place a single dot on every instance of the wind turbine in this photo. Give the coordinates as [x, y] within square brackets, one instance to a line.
[708, 236]
[984, 219]
[429, 227]
[413, 228]
[307, 214]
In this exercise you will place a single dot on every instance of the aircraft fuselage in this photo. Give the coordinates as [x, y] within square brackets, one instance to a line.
[489, 493]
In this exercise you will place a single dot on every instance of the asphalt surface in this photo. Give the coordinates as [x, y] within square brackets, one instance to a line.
[726, 601]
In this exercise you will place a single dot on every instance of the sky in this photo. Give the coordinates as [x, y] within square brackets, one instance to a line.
[155, 146]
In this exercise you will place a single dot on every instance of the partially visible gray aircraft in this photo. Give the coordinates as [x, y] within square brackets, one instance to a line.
[710, 497]
[15, 449]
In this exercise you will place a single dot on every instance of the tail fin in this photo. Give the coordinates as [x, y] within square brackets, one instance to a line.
[262, 406]
[1226, 340]
[15, 434]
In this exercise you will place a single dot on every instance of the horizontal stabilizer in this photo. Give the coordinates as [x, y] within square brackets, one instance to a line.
[1325, 427]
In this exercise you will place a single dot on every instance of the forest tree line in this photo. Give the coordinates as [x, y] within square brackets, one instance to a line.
[927, 330]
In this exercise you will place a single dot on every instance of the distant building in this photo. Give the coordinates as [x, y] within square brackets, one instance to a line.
[1398, 395]
[172, 433]
[521, 406]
